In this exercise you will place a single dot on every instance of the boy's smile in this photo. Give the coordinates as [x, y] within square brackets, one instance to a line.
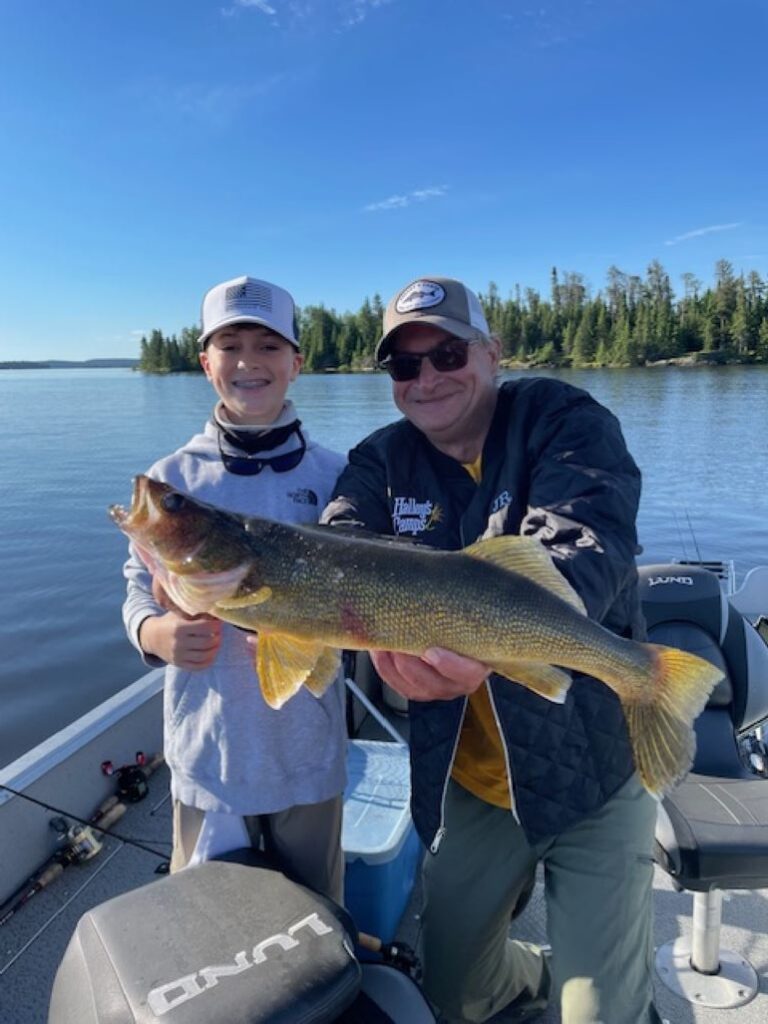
[250, 368]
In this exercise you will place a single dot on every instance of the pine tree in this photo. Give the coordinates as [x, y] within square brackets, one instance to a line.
[584, 342]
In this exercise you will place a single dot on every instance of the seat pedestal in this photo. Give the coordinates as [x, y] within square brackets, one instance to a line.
[698, 970]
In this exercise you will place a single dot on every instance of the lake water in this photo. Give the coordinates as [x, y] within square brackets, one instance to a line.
[73, 439]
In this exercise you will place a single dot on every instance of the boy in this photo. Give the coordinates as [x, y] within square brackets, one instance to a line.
[242, 773]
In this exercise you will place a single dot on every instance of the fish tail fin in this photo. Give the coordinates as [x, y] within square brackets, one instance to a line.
[661, 728]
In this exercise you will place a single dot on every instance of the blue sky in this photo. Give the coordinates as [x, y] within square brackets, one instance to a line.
[151, 148]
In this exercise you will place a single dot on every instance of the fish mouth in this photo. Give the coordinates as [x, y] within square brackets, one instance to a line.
[118, 514]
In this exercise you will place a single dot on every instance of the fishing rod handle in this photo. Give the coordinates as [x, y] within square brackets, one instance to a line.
[154, 763]
[102, 809]
[49, 875]
[109, 818]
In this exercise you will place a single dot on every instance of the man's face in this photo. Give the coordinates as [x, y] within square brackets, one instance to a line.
[447, 406]
[250, 368]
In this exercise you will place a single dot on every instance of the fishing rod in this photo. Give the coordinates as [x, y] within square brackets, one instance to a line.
[680, 535]
[103, 809]
[80, 843]
[398, 954]
[81, 846]
[693, 535]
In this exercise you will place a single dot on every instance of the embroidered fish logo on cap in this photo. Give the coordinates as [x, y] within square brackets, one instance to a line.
[420, 295]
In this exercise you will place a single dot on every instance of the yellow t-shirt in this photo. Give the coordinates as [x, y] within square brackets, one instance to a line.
[480, 765]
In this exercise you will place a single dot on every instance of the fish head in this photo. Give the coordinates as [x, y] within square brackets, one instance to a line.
[181, 534]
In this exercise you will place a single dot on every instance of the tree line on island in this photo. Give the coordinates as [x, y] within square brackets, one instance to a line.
[633, 321]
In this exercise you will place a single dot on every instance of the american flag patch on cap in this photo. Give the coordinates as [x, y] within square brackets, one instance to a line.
[248, 295]
[249, 300]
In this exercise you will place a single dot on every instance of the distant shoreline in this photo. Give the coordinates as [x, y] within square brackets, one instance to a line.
[68, 364]
[694, 359]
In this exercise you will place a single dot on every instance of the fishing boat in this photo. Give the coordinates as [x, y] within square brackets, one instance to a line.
[87, 916]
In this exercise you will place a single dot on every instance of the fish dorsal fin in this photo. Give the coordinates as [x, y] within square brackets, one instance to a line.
[284, 663]
[527, 557]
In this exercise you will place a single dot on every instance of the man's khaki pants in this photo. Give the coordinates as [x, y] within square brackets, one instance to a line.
[598, 885]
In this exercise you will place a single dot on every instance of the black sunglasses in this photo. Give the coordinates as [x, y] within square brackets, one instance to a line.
[251, 465]
[451, 354]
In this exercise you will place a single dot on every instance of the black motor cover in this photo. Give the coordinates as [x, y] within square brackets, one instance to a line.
[221, 943]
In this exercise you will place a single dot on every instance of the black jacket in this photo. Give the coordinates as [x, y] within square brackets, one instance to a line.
[555, 466]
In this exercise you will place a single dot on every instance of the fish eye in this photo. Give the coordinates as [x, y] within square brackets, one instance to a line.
[173, 502]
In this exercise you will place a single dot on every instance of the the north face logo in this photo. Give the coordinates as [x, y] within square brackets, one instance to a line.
[303, 496]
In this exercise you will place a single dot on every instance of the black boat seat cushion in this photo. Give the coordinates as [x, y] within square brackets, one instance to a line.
[215, 944]
[712, 829]
[712, 833]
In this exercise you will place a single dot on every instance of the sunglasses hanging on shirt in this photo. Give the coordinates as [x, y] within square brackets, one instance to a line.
[252, 465]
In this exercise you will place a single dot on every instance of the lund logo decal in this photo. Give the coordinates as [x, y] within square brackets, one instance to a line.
[174, 993]
[412, 516]
[686, 581]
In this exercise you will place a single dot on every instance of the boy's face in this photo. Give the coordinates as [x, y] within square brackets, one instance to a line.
[250, 367]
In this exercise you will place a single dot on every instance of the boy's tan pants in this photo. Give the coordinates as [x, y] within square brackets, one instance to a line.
[305, 840]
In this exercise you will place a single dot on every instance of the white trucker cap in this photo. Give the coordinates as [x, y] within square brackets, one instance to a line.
[246, 300]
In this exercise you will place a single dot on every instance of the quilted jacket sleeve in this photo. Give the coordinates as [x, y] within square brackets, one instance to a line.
[583, 500]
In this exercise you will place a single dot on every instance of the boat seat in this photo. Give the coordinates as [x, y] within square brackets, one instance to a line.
[712, 829]
[230, 940]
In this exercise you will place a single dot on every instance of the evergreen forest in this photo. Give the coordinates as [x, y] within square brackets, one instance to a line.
[632, 321]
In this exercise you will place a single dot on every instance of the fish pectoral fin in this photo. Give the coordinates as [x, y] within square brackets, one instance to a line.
[527, 557]
[257, 597]
[284, 663]
[198, 592]
[325, 671]
[545, 680]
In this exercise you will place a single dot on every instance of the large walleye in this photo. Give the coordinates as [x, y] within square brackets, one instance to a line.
[311, 590]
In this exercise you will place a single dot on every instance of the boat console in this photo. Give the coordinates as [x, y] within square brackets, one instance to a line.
[712, 830]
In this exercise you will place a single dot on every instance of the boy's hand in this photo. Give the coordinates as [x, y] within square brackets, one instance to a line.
[437, 675]
[188, 643]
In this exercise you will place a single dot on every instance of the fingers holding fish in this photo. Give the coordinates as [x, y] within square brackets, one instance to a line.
[437, 675]
[187, 643]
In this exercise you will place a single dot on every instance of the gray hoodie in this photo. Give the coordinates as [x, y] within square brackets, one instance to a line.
[226, 748]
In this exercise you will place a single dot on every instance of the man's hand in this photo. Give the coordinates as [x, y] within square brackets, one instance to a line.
[437, 675]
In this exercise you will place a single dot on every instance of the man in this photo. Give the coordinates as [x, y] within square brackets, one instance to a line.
[502, 778]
